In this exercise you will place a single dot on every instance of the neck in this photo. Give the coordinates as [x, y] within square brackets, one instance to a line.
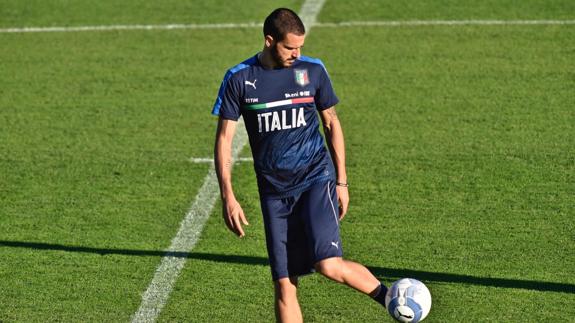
[266, 59]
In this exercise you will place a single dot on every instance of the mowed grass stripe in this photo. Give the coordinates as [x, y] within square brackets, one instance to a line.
[89, 163]
[41, 13]
[459, 144]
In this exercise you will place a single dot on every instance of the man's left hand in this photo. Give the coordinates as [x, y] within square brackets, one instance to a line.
[343, 198]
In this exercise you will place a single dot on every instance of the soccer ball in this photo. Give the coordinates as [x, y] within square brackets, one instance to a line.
[408, 300]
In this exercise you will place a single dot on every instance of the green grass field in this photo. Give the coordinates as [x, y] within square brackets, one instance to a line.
[460, 144]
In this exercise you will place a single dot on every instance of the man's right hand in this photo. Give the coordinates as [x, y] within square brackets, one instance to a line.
[234, 217]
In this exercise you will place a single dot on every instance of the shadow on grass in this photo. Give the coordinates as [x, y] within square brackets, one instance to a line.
[381, 272]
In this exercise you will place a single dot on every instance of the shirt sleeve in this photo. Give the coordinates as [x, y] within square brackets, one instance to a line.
[227, 103]
[325, 95]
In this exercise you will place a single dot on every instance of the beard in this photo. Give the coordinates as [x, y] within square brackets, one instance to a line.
[279, 62]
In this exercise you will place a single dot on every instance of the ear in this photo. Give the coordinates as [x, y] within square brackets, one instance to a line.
[269, 41]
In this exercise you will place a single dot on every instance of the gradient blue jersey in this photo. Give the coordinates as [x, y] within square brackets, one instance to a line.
[279, 107]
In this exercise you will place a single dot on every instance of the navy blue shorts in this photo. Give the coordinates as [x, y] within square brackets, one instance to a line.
[302, 230]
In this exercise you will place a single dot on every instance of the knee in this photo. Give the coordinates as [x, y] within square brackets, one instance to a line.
[332, 268]
[286, 288]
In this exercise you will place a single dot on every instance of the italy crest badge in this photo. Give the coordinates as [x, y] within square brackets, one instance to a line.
[301, 77]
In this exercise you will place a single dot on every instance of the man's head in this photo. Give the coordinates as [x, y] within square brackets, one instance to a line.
[284, 34]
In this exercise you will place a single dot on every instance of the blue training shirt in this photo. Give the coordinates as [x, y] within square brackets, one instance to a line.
[279, 107]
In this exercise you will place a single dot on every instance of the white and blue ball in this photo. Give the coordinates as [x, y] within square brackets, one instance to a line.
[408, 300]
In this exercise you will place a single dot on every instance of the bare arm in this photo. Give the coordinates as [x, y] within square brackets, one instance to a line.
[335, 142]
[232, 211]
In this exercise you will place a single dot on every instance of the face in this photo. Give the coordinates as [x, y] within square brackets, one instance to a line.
[286, 51]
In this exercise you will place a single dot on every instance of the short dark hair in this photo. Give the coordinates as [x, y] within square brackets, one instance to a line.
[281, 22]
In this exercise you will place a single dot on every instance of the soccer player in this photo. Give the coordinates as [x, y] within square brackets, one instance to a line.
[303, 188]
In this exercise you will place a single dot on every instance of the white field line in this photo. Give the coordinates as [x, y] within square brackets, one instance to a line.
[444, 23]
[155, 297]
[309, 12]
[307, 21]
[128, 27]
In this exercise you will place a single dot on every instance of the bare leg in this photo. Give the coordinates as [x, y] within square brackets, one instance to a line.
[350, 273]
[286, 304]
